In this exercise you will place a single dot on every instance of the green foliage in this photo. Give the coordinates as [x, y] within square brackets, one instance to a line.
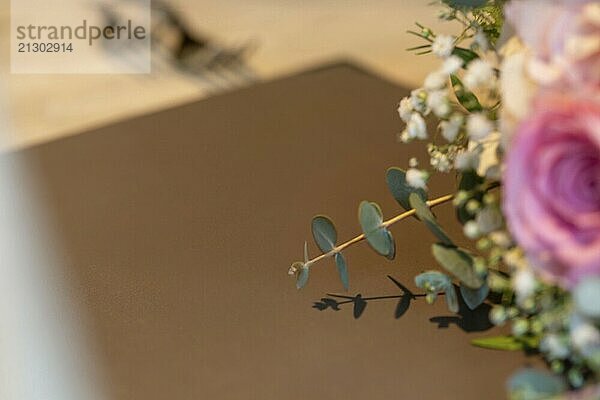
[465, 97]
[400, 189]
[340, 263]
[490, 19]
[587, 298]
[301, 275]
[532, 384]
[425, 215]
[458, 263]
[465, 54]
[505, 343]
[470, 182]
[434, 283]
[371, 220]
[466, 3]
[324, 233]
[474, 297]
[325, 236]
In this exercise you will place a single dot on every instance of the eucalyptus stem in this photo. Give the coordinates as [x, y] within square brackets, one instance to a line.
[385, 224]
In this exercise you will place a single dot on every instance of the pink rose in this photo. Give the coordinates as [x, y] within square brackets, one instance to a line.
[563, 36]
[552, 188]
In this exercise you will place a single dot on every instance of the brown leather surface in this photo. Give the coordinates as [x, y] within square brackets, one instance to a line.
[179, 228]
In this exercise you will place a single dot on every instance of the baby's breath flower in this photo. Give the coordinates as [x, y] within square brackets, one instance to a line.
[471, 230]
[405, 109]
[497, 315]
[481, 41]
[435, 80]
[442, 46]
[413, 162]
[554, 346]
[451, 128]
[452, 64]
[520, 326]
[439, 103]
[584, 335]
[501, 239]
[479, 74]
[514, 258]
[479, 126]
[467, 160]
[441, 163]
[416, 127]
[524, 283]
[418, 99]
[417, 178]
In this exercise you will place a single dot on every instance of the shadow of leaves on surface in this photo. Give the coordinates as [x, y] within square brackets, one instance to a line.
[335, 301]
[468, 320]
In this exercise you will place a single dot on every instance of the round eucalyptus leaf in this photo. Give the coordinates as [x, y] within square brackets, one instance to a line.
[370, 216]
[392, 254]
[342, 268]
[535, 384]
[458, 263]
[474, 297]
[400, 189]
[380, 239]
[451, 298]
[587, 297]
[324, 233]
[424, 213]
[302, 277]
[433, 281]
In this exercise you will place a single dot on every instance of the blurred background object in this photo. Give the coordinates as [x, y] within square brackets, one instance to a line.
[270, 38]
[216, 46]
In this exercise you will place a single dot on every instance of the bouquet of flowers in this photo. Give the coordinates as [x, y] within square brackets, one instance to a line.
[516, 102]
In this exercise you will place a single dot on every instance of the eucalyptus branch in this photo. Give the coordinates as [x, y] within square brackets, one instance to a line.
[385, 224]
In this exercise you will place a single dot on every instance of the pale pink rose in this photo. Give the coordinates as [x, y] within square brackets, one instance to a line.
[552, 187]
[564, 37]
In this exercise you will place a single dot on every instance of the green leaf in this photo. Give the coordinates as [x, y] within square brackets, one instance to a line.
[587, 298]
[466, 98]
[465, 54]
[340, 262]
[469, 181]
[474, 297]
[425, 215]
[324, 233]
[302, 277]
[371, 219]
[451, 298]
[505, 343]
[458, 263]
[306, 252]
[400, 189]
[433, 281]
[466, 3]
[533, 384]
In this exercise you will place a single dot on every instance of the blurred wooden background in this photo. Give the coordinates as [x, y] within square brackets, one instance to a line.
[290, 35]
